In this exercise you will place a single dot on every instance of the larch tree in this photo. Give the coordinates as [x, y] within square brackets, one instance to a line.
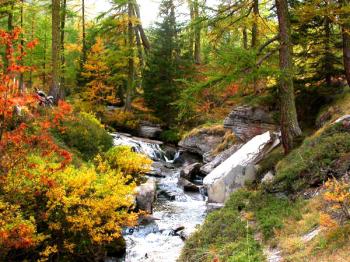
[289, 120]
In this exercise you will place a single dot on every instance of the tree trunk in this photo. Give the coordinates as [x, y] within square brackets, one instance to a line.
[346, 40]
[63, 59]
[197, 33]
[328, 67]
[145, 42]
[131, 65]
[255, 23]
[55, 85]
[21, 76]
[289, 122]
[245, 38]
[84, 50]
[191, 31]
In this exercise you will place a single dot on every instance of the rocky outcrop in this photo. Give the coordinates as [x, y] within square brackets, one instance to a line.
[146, 195]
[149, 130]
[203, 140]
[239, 168]
[247, 122]
[208, 167]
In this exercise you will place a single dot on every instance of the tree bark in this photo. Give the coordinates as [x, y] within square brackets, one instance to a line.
[63, 58]
[84, 49]
[21, 76]
[197, 34]
[289, 122]
[131, 64]
[55, 84]
[245, 38]
[327, 48]
[255, 23]
[346, 40]
[145, 42]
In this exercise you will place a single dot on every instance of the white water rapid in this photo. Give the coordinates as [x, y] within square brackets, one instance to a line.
[176, 213]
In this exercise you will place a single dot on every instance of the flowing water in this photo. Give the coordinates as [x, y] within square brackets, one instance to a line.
[176, 213]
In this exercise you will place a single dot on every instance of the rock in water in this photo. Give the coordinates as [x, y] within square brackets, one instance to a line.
[188, 186]
[189, 172]
[238, 168]
[247, 122]
[146, 195]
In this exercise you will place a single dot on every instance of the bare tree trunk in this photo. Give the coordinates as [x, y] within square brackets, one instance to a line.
[145, 42]
[346, 40]
[289, 122]
[44, 58]
[255, 28]
[131, 65]
[21, 76]
[30, 84]
[84, 50]
[327, 48]
[197, 33]
[55, 85]
[245, 38]
[191, 31]
[63, 59]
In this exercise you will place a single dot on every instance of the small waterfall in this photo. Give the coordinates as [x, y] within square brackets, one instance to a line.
[143, 146]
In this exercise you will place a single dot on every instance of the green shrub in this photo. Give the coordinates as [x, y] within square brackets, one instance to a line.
[170, 136]
[86, 135]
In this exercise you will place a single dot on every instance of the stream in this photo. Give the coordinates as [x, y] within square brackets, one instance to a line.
[176, 214]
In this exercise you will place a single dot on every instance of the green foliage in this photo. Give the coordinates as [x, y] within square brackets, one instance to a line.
[86, 135]
[165, 65]
[309, 164]
[269, 163]
[170, 136]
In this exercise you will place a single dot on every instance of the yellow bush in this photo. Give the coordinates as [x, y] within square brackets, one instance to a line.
[73, 210]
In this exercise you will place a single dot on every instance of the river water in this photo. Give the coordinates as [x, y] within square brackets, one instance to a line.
[176, 209]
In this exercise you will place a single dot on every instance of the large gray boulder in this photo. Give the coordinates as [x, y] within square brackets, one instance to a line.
[208, 167]
[247, 121]
[146, 195]
[149, 130]
[239, 168]
[203, 140]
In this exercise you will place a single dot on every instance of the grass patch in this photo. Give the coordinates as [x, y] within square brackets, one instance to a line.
[309, 164]
[225, 235]
[207, 129]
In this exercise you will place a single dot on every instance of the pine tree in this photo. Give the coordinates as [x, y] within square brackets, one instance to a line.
[165, 64]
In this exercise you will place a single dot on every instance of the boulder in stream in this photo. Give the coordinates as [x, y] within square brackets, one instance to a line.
[239, 168]
[189, 172]
[188, 186]
[146, 195]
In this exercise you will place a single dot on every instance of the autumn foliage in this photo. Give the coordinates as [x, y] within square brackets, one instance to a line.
[51, 208]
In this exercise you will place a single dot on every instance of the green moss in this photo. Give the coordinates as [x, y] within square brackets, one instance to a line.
[308, 164]
[269, 163]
